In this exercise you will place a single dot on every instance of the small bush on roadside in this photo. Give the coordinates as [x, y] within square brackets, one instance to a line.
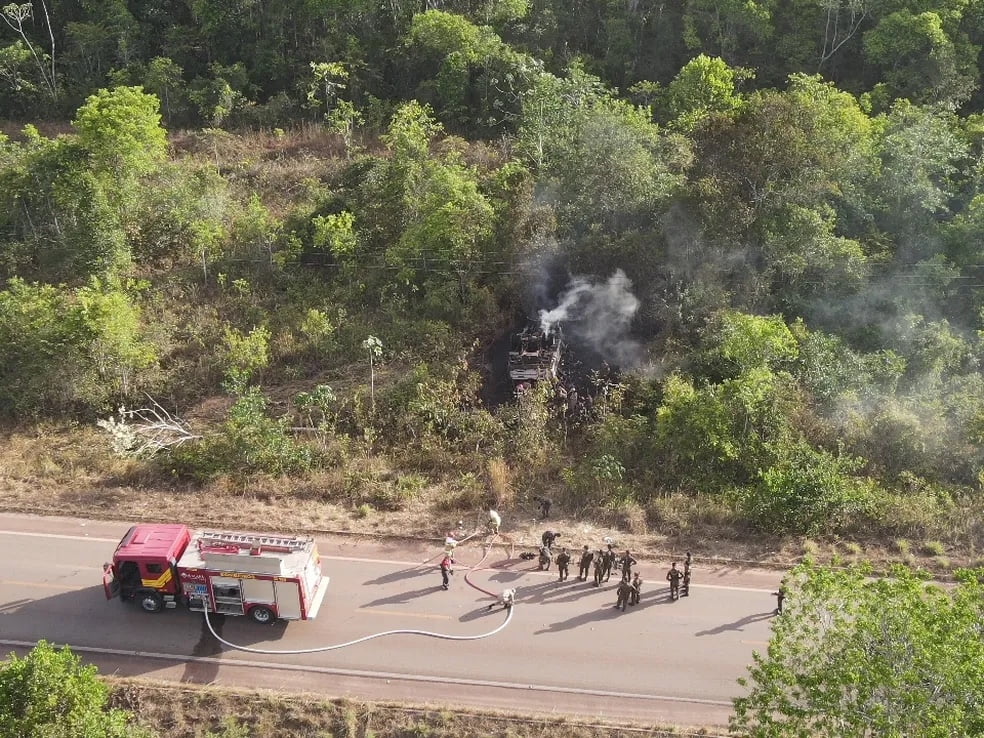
[248, 442]
[501, 483]
[629, 516]
[807, 491]
[596, 482]
[231, 728]
[467, 493]
[919, 514]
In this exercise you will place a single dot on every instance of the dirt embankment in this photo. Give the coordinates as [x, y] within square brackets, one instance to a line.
[188, 712]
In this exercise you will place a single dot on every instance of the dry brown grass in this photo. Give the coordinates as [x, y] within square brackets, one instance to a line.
[501, 485]
[69, 470]
[188, 712]
[276, 165]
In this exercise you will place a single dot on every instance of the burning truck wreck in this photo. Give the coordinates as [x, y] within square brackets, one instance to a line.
[534, 356]
[579, 346]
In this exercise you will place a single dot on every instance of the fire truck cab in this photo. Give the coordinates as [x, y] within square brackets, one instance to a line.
[265, 577]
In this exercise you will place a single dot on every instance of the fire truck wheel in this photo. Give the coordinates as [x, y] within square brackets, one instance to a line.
[151, 602]
[262, 615]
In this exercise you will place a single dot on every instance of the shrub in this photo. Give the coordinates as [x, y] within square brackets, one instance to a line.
[382, 490]
[64, 350]
[501, 481]
[247, 443]
[629, 516]
[467, 494]
[51, 693]
[807, 491]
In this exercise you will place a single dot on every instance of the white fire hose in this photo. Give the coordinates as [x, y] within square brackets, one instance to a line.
[336, 646]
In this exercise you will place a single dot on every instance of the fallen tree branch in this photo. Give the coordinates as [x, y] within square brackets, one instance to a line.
[146, 431]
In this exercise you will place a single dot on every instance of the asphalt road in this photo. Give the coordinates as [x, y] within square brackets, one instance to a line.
[566, 651]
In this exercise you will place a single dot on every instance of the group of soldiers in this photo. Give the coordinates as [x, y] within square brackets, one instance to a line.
[605, 560]
[600, 564]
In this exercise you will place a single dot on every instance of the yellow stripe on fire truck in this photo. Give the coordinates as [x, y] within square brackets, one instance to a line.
[158, 583]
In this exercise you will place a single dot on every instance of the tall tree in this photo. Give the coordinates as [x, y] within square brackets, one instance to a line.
[736, 30]
[852, 657]
[920, 148]
[121, 130]
[17, 16]
[59, 223]
[703, 86]
[922, 58]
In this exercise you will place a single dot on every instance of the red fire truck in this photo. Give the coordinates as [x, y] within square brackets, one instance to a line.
[263, 576]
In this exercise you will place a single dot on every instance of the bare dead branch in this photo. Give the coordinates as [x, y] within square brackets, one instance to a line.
[146, 431]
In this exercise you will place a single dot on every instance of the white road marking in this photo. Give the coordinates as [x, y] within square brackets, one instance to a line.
[361, 560]
[729, 587]
[378, 674]
[46, 585]
[57, 535]
[535, 572]
[432, 616]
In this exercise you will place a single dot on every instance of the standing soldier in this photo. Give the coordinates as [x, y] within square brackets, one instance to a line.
[563, 561]
[585, 565]
[780, 597]
[685, 590]
[673, 576]
[624, 590]
[446, 571]
[545, 504]
[627, 563]
[548, 538]
[636, 592]
[609, 559]
[572, 402]
[599, 563]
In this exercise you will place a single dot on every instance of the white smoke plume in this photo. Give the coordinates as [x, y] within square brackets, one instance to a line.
[598, 315]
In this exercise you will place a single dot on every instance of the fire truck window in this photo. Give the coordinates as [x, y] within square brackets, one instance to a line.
[129, 574]
[155, 569]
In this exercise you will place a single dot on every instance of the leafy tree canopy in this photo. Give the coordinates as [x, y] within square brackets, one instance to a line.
[853, 657]
[50, 693]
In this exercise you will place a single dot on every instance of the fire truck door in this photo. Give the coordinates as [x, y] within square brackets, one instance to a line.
[288, 600]
[227, 593]
[110, 585]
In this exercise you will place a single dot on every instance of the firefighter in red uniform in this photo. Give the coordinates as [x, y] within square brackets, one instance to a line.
[446, 571]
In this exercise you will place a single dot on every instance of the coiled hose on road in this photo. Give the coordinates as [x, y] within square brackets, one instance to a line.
[402, 631]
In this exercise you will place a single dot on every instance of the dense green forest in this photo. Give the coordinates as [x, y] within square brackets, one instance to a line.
[765, 217]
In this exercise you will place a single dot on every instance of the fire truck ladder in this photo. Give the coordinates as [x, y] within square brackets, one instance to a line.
[252, 540]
